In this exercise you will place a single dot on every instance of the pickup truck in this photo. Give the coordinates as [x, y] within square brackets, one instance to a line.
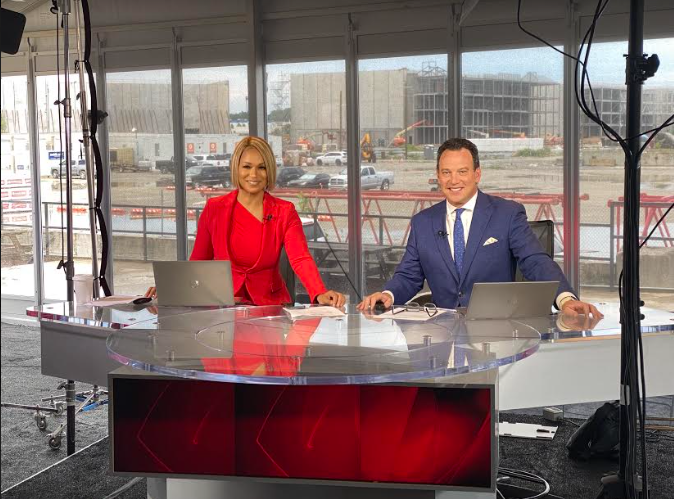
[79, 169]
[168, 165]
[214, 159]
[369, 179]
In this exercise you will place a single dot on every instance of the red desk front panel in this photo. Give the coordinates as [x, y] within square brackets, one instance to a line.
[433, 435]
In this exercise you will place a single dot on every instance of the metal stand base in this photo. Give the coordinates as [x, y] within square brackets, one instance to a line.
[176, 488]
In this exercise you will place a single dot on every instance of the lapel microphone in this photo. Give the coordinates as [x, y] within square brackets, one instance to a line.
[268, 218]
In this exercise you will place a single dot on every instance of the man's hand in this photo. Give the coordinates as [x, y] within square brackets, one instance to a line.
[331, 297]
[573, 308]
[369, 301]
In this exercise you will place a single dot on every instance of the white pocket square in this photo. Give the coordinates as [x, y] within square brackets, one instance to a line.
[489, 241]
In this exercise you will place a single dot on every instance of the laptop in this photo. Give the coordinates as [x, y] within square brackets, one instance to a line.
[201, 283]
[511, 300]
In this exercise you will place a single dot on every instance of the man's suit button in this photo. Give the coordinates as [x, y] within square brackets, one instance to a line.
[460, 294]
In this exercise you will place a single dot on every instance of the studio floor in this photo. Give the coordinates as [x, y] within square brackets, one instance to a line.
[30, 469]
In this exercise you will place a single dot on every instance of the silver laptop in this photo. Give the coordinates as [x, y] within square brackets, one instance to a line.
[511, 300]
[200, 283]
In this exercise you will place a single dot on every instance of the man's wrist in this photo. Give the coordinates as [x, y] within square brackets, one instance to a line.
[565, 298]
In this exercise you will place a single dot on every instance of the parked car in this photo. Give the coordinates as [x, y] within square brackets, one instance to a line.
[309, 180]
[168, 165]
[79, 169]
[287, 174]
[369, 179]
[337, 158]
[208, 175]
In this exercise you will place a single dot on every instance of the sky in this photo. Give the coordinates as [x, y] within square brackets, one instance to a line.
[606, 66]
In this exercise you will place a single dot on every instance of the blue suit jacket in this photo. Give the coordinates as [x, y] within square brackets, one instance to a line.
[428, 255]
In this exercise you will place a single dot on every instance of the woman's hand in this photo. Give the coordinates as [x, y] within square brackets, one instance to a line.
[151, 292]
[330, 297]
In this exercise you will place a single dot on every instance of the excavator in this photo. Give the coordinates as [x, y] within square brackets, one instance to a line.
[367, 149]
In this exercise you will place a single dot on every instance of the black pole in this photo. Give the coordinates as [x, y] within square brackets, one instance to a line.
[631, 324]
[628, 479]
[70, 417]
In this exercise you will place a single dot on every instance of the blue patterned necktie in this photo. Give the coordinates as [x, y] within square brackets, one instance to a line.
[459, 240]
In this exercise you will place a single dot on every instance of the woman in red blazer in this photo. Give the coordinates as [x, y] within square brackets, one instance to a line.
[249, 227]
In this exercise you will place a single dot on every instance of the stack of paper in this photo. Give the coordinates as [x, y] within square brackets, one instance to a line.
[295, 313]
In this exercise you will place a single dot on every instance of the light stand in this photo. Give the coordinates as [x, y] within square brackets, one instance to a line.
[639, 68]
[86, 140]
[64, 8]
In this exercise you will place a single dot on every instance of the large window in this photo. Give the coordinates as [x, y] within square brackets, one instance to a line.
[306, 124]
[512, 111]
[403, 119]
[143, 199]
[17, 197]
[216, 117]
[602, 177]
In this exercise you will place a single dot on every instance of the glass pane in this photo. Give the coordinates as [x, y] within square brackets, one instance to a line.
[403, 120]
[602, 177]
[50, 123]
[216, 117]
[17, 196]
[512, 111]
[140, 122]
[306, 125]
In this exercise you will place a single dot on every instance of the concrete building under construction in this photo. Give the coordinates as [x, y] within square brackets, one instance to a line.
[657, 105]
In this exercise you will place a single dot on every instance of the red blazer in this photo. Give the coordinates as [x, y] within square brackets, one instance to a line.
[282, 228]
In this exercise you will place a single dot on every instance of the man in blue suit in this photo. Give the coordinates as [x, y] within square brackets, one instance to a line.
[471, 237]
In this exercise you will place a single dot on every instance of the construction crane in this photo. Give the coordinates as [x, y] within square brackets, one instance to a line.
[484, 135]
[400, 138]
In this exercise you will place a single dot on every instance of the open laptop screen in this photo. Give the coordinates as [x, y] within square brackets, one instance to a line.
[511, 300]
[194, 284]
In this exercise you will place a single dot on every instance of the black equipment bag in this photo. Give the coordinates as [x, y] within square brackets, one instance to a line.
[599, 436]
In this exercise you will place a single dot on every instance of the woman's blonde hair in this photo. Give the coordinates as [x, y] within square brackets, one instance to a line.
[261, 146]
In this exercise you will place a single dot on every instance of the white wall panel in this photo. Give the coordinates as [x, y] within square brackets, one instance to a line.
[657, 24]
[133, 59]
[305, 27]
[216, 54]
[305, 50]
[403, 19]
[405, 43]
[214, 32]
[14, 64]
[497, 36]
[130, 12]
[136, 38]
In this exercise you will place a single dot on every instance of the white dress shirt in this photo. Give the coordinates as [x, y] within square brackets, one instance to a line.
[466, 219]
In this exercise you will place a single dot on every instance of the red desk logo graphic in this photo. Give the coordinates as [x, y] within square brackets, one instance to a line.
[370, 433]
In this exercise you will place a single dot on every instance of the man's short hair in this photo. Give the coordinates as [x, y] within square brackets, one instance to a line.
[456, 144]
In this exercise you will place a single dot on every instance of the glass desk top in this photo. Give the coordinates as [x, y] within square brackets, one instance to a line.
[262, 345]
[553, 327]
